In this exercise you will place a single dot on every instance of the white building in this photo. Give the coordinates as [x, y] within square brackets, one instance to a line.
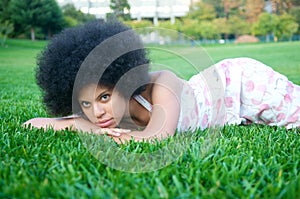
[139, 9]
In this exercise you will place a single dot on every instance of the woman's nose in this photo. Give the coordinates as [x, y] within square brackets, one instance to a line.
[98, 110]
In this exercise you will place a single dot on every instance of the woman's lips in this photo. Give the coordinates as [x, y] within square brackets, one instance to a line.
[105, 123]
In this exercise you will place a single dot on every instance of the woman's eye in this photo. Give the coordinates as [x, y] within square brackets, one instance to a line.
[86, 104]
[105, 97]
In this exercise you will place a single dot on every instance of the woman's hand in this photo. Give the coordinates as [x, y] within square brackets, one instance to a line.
[133, 135]
[124, 137]
[115, 132]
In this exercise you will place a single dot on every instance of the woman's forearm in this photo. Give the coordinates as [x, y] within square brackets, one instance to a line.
[75, 123]
[54, 123]
[72, 122]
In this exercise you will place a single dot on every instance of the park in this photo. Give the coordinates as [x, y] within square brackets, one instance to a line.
[247, 161]
[253, 161]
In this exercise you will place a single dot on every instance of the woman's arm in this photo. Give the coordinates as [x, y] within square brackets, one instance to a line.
[54, 123]
[73, 122]
[165, 95]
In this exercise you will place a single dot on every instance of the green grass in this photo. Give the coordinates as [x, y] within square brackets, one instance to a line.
[283, 57]
[242, 162]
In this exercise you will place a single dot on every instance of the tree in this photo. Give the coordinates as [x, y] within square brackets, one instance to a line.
[121, 9]
[5, 29]
[238, 26]
[191, 28]
[202, 11]
[26, 12]
[295, 2]
[140, 27]
[4, 13]
[286, 27]
[70, 21]
[281, 6]
[35, 13]
[208, 30]
[231, 7]
[139, 24]
[74, 17]
[265, 25]
[223, 26]
[168, 25]
[52, 20]
[253, 9]
[295, 12]
[218, 6]
[170, 30]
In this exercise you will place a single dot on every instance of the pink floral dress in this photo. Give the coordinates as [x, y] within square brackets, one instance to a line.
[239, 91]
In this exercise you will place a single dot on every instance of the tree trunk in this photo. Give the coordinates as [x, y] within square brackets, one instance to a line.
[226, 37]
[268, 38]
[32, 34]
[49, 33]
[3, 40]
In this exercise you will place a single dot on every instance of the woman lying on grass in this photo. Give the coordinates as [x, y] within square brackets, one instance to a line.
[96, 79]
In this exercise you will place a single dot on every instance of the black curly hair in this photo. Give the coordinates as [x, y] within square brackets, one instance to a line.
[60, 62]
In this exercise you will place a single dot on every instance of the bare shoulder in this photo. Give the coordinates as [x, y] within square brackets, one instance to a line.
[163, 74]
[165, 85]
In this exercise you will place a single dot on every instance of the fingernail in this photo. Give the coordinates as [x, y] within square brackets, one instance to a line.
[117, 134]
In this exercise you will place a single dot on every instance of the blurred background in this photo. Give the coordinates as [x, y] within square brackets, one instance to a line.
[204, 21]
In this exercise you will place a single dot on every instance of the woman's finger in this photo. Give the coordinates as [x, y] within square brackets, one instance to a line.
[111, 132]
[121, 130]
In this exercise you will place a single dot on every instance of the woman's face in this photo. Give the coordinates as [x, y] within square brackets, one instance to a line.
[103, 106]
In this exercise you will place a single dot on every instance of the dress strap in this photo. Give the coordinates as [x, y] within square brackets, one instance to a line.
[142, 101]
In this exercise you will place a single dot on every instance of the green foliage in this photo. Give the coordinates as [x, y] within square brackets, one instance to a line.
[237, 26]
[169, 29]
[52, 19]
[4, 12]
[265, 25]
[202, 11]
[121, 9]
[239, 17]
[36, 13]
[295, 2]
[70, 21]
[139, 24]
[167, 24]
[286, 27]
[203, 15]
[74, 17]
[26, 12]
[295, 12]
[191, 28]
[281, 26]
[5, 29]
[208, 30]
[244, 17]
[141, 27]
[222, 25]
[218, 6]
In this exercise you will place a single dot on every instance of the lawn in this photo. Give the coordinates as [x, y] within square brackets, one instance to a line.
[238, 162]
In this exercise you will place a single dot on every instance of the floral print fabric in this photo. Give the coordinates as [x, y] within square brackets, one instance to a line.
[250, 92]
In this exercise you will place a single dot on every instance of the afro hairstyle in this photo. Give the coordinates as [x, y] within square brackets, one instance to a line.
[60, 61]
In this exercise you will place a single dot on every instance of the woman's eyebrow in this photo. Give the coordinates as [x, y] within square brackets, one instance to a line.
[102, 93]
